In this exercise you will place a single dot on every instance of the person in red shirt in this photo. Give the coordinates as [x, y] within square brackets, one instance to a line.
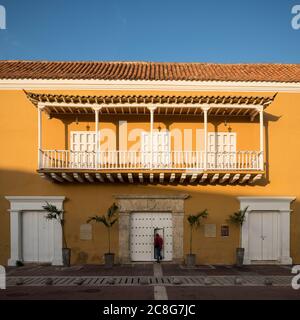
[158, 244]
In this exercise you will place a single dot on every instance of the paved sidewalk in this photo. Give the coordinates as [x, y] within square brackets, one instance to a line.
[149, 281]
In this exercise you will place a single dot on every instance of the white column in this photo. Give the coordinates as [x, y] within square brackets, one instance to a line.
[151, 109]
[96, 110]
[15, 237]
[40, 141]
[285, 253]
[205, 110]
[261, 138]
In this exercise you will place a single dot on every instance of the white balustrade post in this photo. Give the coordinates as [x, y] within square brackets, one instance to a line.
[40, 141]
[261, 138]
[96, 110]
[205, 111]
[151, 109]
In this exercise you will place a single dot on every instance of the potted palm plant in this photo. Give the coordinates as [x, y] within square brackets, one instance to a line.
[108, 220]
[194, 223]
[53, 213]
[238, 218]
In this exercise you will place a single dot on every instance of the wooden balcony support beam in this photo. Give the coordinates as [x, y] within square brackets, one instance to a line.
[151, 177]
[172, 177]
[225, 178]
[256, 178]
[141, 177]
[161, 177]
[182, 178]
[88, 177]
[235, 178]
[214, 178]
[203, 178]
[130, 177]
[67, 177]
[245, 178]
[57, 177]
[110, 177]
[99, 177]
[78, 177]
[120, 177]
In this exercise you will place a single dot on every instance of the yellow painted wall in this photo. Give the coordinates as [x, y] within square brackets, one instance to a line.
[18, 164]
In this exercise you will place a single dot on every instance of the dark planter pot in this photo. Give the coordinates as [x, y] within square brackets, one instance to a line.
[190, 260]
[240, 256]
[66, 255]
[109, 259]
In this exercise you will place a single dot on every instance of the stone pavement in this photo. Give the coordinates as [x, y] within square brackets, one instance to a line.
[149, 281]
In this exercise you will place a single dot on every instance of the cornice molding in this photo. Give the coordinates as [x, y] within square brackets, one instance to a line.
[146, 85]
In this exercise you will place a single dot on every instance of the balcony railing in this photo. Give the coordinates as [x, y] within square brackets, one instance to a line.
[137, 160]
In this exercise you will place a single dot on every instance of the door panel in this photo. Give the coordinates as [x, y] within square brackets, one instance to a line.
[255, 233]
[263, 236]
[142, 230]
[37, 237]
[270, 236]
[45, 239]
[30, 236]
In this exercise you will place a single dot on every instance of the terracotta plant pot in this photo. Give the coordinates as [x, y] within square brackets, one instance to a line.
[240, 256]
[190, 260]
[109, 259]
[66, 255]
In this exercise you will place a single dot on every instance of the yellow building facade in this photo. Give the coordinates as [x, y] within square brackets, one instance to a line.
[160, 143]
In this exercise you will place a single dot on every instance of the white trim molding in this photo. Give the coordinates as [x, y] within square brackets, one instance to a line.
[282, 205]
[20, 204]
[162, 85]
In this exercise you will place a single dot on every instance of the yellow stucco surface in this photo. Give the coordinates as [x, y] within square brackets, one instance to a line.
[18, 165]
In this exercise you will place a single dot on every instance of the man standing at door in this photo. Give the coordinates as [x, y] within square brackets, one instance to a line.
[158, 243]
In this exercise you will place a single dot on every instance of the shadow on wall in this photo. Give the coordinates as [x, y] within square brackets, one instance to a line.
[85, 200]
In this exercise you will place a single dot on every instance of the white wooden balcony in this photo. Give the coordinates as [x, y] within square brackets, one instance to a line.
[137, 166]
[136, 160]
[150, 165]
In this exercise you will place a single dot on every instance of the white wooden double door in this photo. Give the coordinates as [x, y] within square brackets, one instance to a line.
[37, 237]
[221, 150]
[143, 227]
[161, 155]
[264, 236]
[83, 149]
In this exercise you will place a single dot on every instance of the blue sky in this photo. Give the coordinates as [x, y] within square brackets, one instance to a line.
[228, 31]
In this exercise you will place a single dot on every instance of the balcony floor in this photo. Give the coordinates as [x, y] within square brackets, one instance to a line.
[152, 177]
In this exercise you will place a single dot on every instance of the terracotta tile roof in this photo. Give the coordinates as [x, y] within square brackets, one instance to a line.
[149, 71]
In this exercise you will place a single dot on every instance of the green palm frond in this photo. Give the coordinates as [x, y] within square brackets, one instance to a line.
[195, 219]
[52, 212]
[108, 219]
[99, 219]
[238, 217]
